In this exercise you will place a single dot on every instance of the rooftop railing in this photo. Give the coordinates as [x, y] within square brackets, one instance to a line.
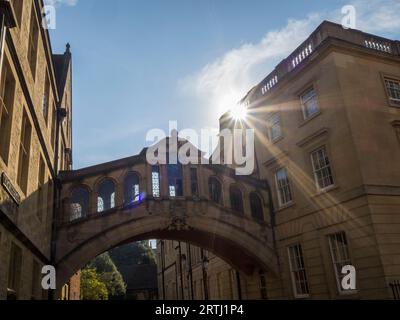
[307, 48]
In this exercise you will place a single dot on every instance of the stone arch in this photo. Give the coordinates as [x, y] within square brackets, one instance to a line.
[244, 248]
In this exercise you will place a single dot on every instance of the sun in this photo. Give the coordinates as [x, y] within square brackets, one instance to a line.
[239, 112]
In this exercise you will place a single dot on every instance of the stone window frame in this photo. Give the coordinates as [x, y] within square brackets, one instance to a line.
[46, 101]
[311, 84]
[24, 154]
[137, 187]
[302, 268]
[396, 128]
[273, 165]
[271, 124]
[221, 201]
[72, 217]
[310, 88]
[333, 262]
[101, 202]
[15, 269]
[311, 143]
[253, 212]
[385, 77]
[315, 170]
[278, 188]
[240, 193]
[33, 43]
[156, 181]
[7, 69]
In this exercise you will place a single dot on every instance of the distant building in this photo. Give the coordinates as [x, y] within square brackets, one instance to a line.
[141, 282]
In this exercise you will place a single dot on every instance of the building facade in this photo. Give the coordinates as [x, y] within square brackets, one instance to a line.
[326, 122]
[187, 272]
[325, 192]
[35, 143]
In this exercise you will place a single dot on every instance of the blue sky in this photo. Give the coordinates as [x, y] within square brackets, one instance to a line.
[138, 64]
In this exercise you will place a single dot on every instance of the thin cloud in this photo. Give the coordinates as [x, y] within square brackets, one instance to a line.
[378, 16]
[219, 85]
[222, 83]
[56, 3]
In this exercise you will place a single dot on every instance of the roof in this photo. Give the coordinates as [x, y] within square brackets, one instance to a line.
[61, 67]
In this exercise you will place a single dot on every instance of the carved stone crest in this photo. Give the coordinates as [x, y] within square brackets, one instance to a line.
[178, 223]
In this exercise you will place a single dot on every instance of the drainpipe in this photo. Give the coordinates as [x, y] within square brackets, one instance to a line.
[239, 286]
[180, 267]
[273, 226]
[204, 262]
[163, 268]
[56, 192]
[190, 272]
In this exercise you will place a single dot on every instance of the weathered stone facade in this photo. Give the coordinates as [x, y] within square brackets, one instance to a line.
[350, 115]
[35, 83]
[325, 192]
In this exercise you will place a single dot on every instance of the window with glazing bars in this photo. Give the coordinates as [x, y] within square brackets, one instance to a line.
[7, 93]
[155, 179]
[298, 272]
[393, 90]
[322, 168]
[309, 103]
[283, 187]
[275, 130]
[193, 182]
[340, 255]
[33, 41]
[24, 153]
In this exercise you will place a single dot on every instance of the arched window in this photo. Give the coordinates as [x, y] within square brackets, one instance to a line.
[215, 190]
[155, 181]
[236, 199]
[106, 196]
[256, 207]
[175, 180]
[79, 203]
[131, 189]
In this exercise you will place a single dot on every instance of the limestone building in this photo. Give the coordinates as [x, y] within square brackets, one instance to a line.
[325, 192]
[35, 143]
[327, 125]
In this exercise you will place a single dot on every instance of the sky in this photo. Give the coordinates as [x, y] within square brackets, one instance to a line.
[138, 64]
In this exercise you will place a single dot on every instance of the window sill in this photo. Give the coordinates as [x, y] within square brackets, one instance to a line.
[286, 206]
[276, 140]
[393, 104]
[302, 297]
[305, 121]
[347, 293]
[325, 191]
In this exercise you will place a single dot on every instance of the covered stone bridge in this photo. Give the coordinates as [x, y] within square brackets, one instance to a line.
[128, 200]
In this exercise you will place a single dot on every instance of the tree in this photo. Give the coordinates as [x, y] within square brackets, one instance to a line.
[137, 253]
[92, 287]
[109, 275]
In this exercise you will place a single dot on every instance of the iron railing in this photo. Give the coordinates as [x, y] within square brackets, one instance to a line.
[395, 286]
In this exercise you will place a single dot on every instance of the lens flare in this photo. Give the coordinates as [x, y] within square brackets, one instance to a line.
[239, 112]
